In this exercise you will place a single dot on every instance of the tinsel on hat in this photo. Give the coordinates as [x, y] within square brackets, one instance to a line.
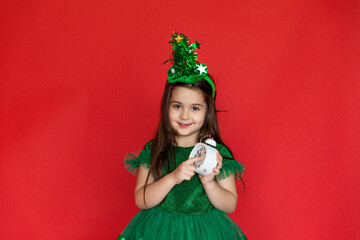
[185, 66]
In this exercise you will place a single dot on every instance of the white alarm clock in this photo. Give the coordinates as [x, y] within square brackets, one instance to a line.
[208, 151]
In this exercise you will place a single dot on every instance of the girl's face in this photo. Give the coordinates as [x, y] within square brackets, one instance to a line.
[186, 114]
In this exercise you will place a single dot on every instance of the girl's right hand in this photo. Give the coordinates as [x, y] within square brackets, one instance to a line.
[186, 170]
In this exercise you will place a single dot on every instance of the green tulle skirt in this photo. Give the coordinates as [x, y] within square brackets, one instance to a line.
[154, 224]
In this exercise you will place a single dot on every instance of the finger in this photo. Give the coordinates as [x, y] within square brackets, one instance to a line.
[193, 160]
[216, 171]
[190, 173]
[219, 161]
[189, 168]
[187, 176]
[192, 168]
[211, 176]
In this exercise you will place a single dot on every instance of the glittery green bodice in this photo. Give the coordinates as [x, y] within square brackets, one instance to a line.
[188, 197]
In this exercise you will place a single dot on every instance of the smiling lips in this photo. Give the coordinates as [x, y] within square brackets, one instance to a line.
[184, 125]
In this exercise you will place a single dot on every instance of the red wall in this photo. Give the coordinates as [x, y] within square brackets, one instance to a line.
[81, 86]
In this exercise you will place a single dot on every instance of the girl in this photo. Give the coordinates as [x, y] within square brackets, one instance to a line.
[176, 203]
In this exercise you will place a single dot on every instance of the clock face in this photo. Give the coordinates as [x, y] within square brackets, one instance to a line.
[200, 151]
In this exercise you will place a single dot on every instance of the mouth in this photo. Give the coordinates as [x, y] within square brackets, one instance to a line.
[184, 125]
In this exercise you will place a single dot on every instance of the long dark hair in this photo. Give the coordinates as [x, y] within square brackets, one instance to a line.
[165, 136]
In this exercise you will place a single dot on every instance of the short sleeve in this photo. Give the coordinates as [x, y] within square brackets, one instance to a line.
[230, 165]
[139, 157]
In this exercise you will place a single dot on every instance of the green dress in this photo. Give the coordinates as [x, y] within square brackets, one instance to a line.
[186, 212]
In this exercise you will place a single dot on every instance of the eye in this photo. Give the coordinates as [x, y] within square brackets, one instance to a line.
[176, 106]
[195, 108]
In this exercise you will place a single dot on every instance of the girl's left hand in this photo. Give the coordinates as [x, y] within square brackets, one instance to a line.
[209, 178]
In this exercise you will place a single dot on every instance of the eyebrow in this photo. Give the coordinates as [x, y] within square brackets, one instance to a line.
[195, 104]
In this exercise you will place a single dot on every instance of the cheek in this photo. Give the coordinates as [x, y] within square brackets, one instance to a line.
[172, 114]
[201, 118]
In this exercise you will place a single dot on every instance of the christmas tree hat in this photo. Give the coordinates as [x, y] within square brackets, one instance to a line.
[186, 68]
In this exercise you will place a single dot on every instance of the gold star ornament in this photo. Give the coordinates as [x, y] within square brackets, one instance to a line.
[178, 38]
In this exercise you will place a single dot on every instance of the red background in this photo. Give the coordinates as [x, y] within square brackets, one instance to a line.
[81, 83]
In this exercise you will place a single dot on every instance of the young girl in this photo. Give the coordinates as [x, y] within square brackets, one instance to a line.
[176, 202]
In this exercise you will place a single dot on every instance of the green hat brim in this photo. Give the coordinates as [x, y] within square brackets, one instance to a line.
[190, 79]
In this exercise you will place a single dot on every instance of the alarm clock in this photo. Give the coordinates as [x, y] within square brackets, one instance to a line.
[208, 151]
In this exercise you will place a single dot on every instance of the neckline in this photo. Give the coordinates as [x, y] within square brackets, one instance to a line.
[179, 147]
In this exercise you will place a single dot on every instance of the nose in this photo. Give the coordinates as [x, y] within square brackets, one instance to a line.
[184, 114]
